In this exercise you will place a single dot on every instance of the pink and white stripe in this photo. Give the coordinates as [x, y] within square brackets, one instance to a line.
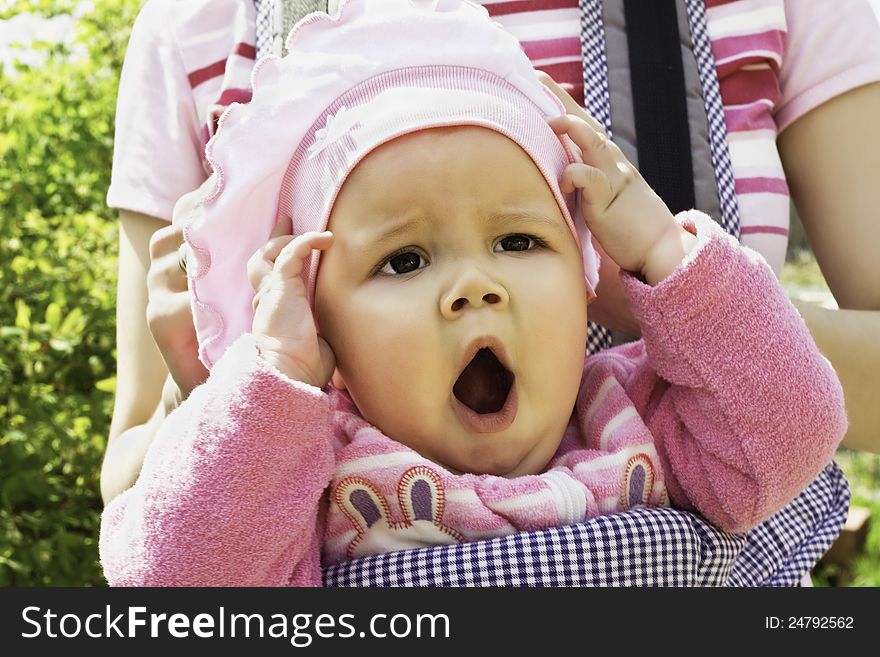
[549, 32]
[749, 40]
[218, 53]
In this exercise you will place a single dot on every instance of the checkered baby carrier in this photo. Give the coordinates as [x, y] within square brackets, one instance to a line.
[688, 164]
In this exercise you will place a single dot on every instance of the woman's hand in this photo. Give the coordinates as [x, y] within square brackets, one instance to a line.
[284, 327]
[168, 311]
[611, 307]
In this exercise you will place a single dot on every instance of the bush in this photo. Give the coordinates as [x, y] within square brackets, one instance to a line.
[57, 294]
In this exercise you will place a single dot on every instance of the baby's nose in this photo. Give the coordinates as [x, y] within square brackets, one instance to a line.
[473, 289]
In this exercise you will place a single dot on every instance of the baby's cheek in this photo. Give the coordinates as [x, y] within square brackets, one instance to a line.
[558, 299]
[557, 328]
[398, 365]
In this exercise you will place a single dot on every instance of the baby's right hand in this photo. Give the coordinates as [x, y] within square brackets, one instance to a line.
[284, 328]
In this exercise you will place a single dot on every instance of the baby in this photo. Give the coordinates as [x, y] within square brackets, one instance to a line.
[408, 367]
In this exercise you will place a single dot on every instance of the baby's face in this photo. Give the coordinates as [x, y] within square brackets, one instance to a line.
[454, 300]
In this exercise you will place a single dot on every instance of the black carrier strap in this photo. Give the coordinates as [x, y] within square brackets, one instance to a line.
[659, 100]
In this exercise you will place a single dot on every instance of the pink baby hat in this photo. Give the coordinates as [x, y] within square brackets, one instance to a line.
[376, 70]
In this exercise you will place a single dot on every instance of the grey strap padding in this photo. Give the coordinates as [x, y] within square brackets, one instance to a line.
[620, 96]
[287, 13]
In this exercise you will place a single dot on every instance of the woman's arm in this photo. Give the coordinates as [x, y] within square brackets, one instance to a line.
[832, 161]
[157, 348]
[140, 369]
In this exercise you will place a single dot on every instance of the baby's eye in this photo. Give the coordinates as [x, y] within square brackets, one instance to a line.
[517, 242]
[403, 263]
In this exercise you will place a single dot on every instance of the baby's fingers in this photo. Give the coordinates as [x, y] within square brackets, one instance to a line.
[290, 260]
[262, 262]
[596, 148]
[596, 188]
[581, 132]
[281, 260]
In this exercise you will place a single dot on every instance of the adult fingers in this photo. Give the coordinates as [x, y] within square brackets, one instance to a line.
[165, 272]
[165, 240]
[187, 203]
[282, 227]
[570, 104]
[169, 317]
[278, 239]
[169, 309]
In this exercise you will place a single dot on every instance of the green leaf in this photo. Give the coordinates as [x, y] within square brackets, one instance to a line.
[53, 316]
[6, 331]
[73, 323]
[22, 315]
[63, 345]
[20, 265]
[14, 565]
[107, 385]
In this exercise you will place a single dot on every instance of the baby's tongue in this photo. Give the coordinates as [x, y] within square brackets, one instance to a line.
[484, 384]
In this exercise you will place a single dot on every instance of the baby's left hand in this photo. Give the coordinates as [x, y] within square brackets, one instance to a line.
[629, 220]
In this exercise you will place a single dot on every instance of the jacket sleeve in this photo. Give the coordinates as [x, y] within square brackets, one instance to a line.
[231, 488]
[746, 411]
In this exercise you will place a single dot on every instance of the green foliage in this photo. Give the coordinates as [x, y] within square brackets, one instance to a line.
[48, 8]
[863, 473]
[57, 294]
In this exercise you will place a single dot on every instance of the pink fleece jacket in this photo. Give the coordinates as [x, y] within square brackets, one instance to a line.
[725, 407]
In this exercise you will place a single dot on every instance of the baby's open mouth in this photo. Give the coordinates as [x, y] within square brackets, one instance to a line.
[483, 386]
